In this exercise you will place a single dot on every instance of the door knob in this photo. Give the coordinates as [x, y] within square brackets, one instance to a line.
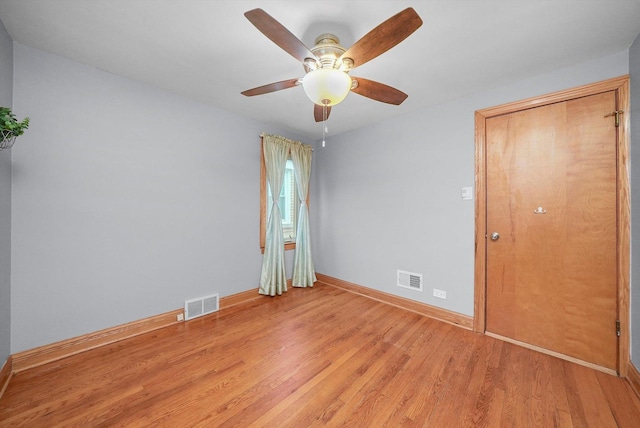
[495, 236]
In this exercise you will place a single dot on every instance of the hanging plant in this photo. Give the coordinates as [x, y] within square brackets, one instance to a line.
[10, 127]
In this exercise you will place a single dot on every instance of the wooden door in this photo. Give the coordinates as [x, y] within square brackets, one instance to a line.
[551, 183]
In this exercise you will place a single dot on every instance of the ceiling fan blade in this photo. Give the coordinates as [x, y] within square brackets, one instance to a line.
[383, 37]
[318, 112]
[271, 87]
[378, 91]
[278, 34]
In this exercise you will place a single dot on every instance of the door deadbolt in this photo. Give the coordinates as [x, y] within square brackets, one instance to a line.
[495, 236]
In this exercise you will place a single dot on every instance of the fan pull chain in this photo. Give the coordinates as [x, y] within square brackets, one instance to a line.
[324, 123]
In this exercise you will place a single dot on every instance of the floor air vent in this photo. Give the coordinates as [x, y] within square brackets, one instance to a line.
[201, 306]
[410, 280]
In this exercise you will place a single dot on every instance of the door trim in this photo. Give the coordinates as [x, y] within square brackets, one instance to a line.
[621, 86]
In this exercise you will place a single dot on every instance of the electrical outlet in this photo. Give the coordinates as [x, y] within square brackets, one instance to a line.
[180, 317]
[439, 293]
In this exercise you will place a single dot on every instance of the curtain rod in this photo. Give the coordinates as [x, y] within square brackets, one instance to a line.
[263, 134]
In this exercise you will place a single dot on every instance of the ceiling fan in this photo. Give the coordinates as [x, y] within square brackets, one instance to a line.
[327, 64]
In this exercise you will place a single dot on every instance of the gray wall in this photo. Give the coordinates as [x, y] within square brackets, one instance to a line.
[388, 196]
[127, 200]
[634, 69]
[6, 99]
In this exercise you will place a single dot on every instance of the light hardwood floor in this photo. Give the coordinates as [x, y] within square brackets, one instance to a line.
[313, 357]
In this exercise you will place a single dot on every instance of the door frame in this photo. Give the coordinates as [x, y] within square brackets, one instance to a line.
[621, 86]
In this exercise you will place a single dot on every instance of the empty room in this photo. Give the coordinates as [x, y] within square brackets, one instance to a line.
[293, 213]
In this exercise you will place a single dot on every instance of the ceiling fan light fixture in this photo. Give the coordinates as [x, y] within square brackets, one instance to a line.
[326, 86]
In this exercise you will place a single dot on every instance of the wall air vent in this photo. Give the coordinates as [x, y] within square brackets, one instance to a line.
[201, 306]
[410, 280]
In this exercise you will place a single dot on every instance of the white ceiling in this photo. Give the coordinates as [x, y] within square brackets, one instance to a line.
[207, 50]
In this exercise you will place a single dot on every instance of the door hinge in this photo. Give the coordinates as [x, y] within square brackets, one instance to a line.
[617, 328]
[617, 114]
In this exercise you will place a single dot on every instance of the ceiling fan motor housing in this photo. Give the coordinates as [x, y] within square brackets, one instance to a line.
[327, 50]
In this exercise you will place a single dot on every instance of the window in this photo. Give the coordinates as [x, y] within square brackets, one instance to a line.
[288, 203]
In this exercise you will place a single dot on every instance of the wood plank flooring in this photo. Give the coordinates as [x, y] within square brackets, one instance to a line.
[316, 357]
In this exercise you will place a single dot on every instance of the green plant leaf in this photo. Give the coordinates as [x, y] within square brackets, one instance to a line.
[8, 122]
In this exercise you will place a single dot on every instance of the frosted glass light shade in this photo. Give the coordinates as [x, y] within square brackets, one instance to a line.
[326, 86]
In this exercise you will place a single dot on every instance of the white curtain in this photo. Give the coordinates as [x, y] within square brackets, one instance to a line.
[303, 272]
[273, 279]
